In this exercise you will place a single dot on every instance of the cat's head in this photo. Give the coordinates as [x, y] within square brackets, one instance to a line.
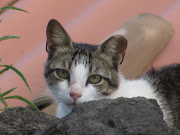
[76, 73]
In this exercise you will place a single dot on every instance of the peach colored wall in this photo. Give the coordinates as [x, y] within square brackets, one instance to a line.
[6, 2]
[171, 54]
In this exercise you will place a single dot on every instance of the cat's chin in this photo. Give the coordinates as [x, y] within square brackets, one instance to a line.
[72, 104]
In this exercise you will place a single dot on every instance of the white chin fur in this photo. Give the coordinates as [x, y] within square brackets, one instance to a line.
[66, 105]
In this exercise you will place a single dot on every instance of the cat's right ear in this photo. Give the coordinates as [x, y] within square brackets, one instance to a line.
[57, 37]
[113, 49]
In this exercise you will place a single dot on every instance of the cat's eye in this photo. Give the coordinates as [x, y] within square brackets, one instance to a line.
[62, 73]
[94, 79]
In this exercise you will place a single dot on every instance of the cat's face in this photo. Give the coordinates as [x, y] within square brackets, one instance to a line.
[76, 73]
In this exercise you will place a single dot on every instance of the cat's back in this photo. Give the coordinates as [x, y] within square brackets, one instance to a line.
[166, 82]
[167, 77]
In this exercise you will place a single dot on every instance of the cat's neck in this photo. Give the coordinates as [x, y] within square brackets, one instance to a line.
[63, 109]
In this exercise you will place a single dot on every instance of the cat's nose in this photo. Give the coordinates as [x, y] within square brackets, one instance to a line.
[75, 96]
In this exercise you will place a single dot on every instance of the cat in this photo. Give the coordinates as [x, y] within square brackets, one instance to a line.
[77, 73]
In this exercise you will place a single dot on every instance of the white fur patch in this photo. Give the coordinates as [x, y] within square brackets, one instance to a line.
[134, 88]
[79, 76]
[61, 92]
[63, 110]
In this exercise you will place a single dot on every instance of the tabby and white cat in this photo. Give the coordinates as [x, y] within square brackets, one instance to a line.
[77, 73]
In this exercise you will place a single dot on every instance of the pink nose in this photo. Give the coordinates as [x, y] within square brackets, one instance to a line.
[75, 96]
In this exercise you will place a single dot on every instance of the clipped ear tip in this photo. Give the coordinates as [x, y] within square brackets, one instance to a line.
[121, 39]
[53, 22]
[52, 26]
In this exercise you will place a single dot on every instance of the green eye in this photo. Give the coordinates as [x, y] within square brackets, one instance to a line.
[62, 73]
[94, 79]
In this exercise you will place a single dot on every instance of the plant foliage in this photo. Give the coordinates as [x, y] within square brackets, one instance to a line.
[4, 96]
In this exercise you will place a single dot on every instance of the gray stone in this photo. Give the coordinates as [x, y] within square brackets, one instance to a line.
[22, 121]
[136, 116]
[122, 116]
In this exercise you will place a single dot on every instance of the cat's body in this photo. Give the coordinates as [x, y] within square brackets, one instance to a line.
[77, 73]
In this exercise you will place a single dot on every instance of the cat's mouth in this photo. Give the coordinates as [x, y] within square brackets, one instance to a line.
[72, 104]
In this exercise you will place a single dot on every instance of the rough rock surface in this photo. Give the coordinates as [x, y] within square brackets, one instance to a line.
[122, 116]
[22, 121]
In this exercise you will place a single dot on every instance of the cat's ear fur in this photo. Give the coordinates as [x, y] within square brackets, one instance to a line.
[113, 49]
[57, 36]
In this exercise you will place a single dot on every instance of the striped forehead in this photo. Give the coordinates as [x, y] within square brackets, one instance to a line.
[79, 70]
[82, 57]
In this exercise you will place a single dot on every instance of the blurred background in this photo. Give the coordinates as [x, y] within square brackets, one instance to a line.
[89, 21]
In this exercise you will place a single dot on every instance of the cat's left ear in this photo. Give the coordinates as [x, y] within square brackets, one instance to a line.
[57, 36]
[114, 49]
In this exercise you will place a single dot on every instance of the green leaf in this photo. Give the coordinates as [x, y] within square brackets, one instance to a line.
[8, 37]
[2, 100]
[19, 73]
[7, 92]
[13, 8]
[22, 99]
[4, 109]
[5, 69]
